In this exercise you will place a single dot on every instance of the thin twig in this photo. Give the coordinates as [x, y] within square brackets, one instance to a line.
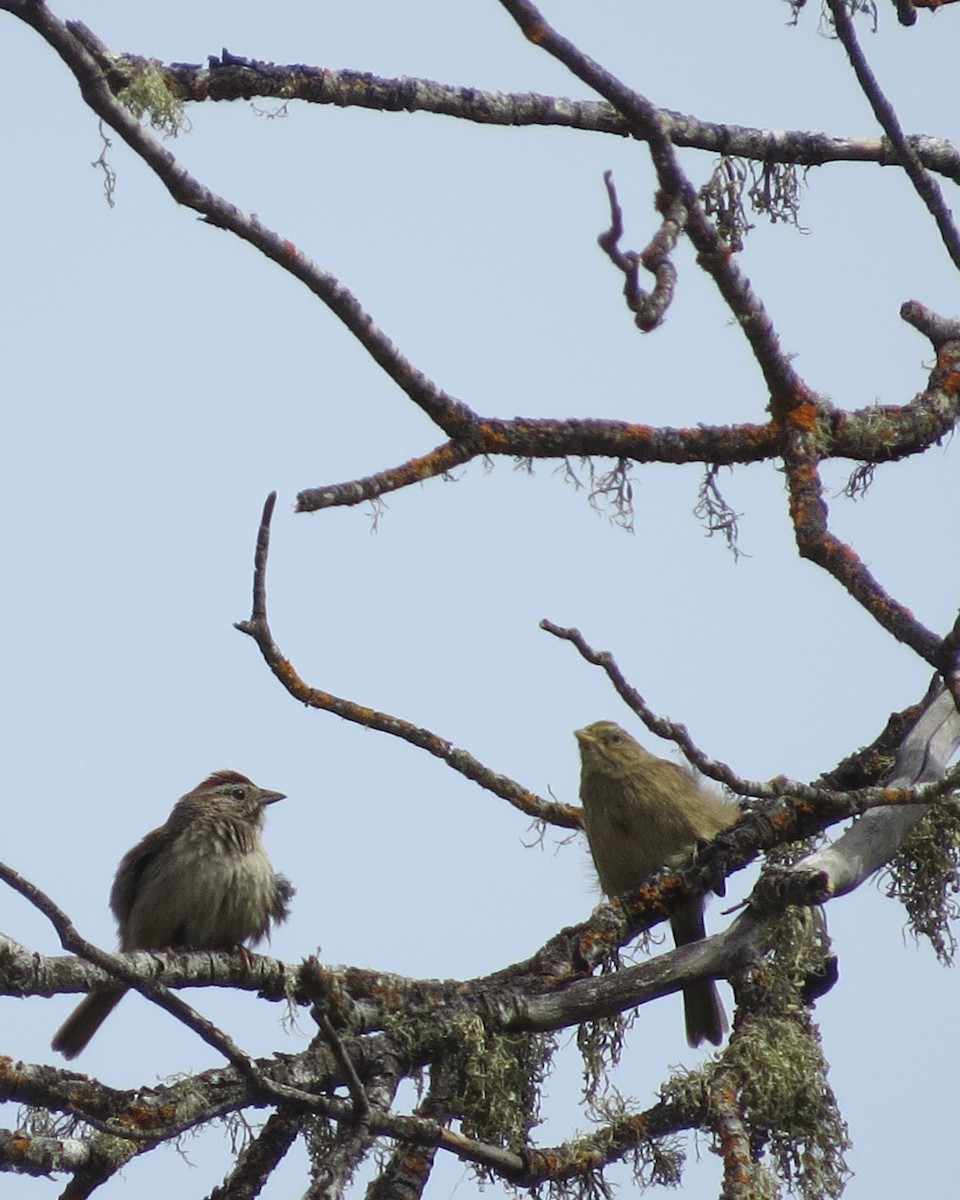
[926, 187]
[653, 124]
[258, 628]
[834, 802]
[815, 541]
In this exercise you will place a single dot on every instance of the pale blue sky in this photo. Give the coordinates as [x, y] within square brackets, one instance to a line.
[162, 379]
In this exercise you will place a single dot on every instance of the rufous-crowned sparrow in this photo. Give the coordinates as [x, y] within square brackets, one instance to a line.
[642, 813]
[202, 881]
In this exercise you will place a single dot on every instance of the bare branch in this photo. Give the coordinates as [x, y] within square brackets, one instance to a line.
[927, 188]
[438, 462]
[650, 307]
[679, 195]
[809, 513]
[940, 330]
[258, 628]
[236, 78]
[72, 41]
[878, 434]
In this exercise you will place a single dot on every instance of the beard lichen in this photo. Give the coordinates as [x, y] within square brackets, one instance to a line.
[925, 877]
[790, 1108]
[771, 1080]
[773, 1075]
[499, 1080]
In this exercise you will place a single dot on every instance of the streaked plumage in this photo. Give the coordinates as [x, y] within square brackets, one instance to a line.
[201, 881]
[642, 813]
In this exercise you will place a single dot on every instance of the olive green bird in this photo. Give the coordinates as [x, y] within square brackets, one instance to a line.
[642, 813]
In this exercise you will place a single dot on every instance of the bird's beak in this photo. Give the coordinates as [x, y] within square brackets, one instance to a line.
[584, 737]
[271, 797]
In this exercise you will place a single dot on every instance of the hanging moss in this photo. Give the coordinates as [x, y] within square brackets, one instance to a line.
[925, 878]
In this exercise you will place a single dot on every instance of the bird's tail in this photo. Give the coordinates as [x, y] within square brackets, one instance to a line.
[84, 1021]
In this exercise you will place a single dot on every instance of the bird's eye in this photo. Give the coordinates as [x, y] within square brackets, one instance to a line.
[237, 793]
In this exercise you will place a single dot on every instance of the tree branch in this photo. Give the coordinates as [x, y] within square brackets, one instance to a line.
[235, 78]
[258, 628]
[927, 188]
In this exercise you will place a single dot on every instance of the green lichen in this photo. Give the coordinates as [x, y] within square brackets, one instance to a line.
[500, 1076]
[774, 1075]
[600, 1043]
[925, 878]
[148, 94]
[790, 1108]
[798, 956]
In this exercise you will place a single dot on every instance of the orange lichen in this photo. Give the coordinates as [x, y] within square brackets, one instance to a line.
[428, 465]
[566, 812]
[593, 944]
[492, 437]
[140, 1116]
[948, 355]
[846, 553]
[804, 415]
[951, 384]
[783, 821]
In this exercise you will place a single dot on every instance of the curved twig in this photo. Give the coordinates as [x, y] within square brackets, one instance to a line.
[258, 628]
[652, 124]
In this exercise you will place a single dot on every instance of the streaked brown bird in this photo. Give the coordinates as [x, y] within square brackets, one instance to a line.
[642, 813]
[202, 881]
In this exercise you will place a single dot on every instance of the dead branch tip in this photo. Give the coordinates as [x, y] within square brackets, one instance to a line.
[938, 329]
[258, 615]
